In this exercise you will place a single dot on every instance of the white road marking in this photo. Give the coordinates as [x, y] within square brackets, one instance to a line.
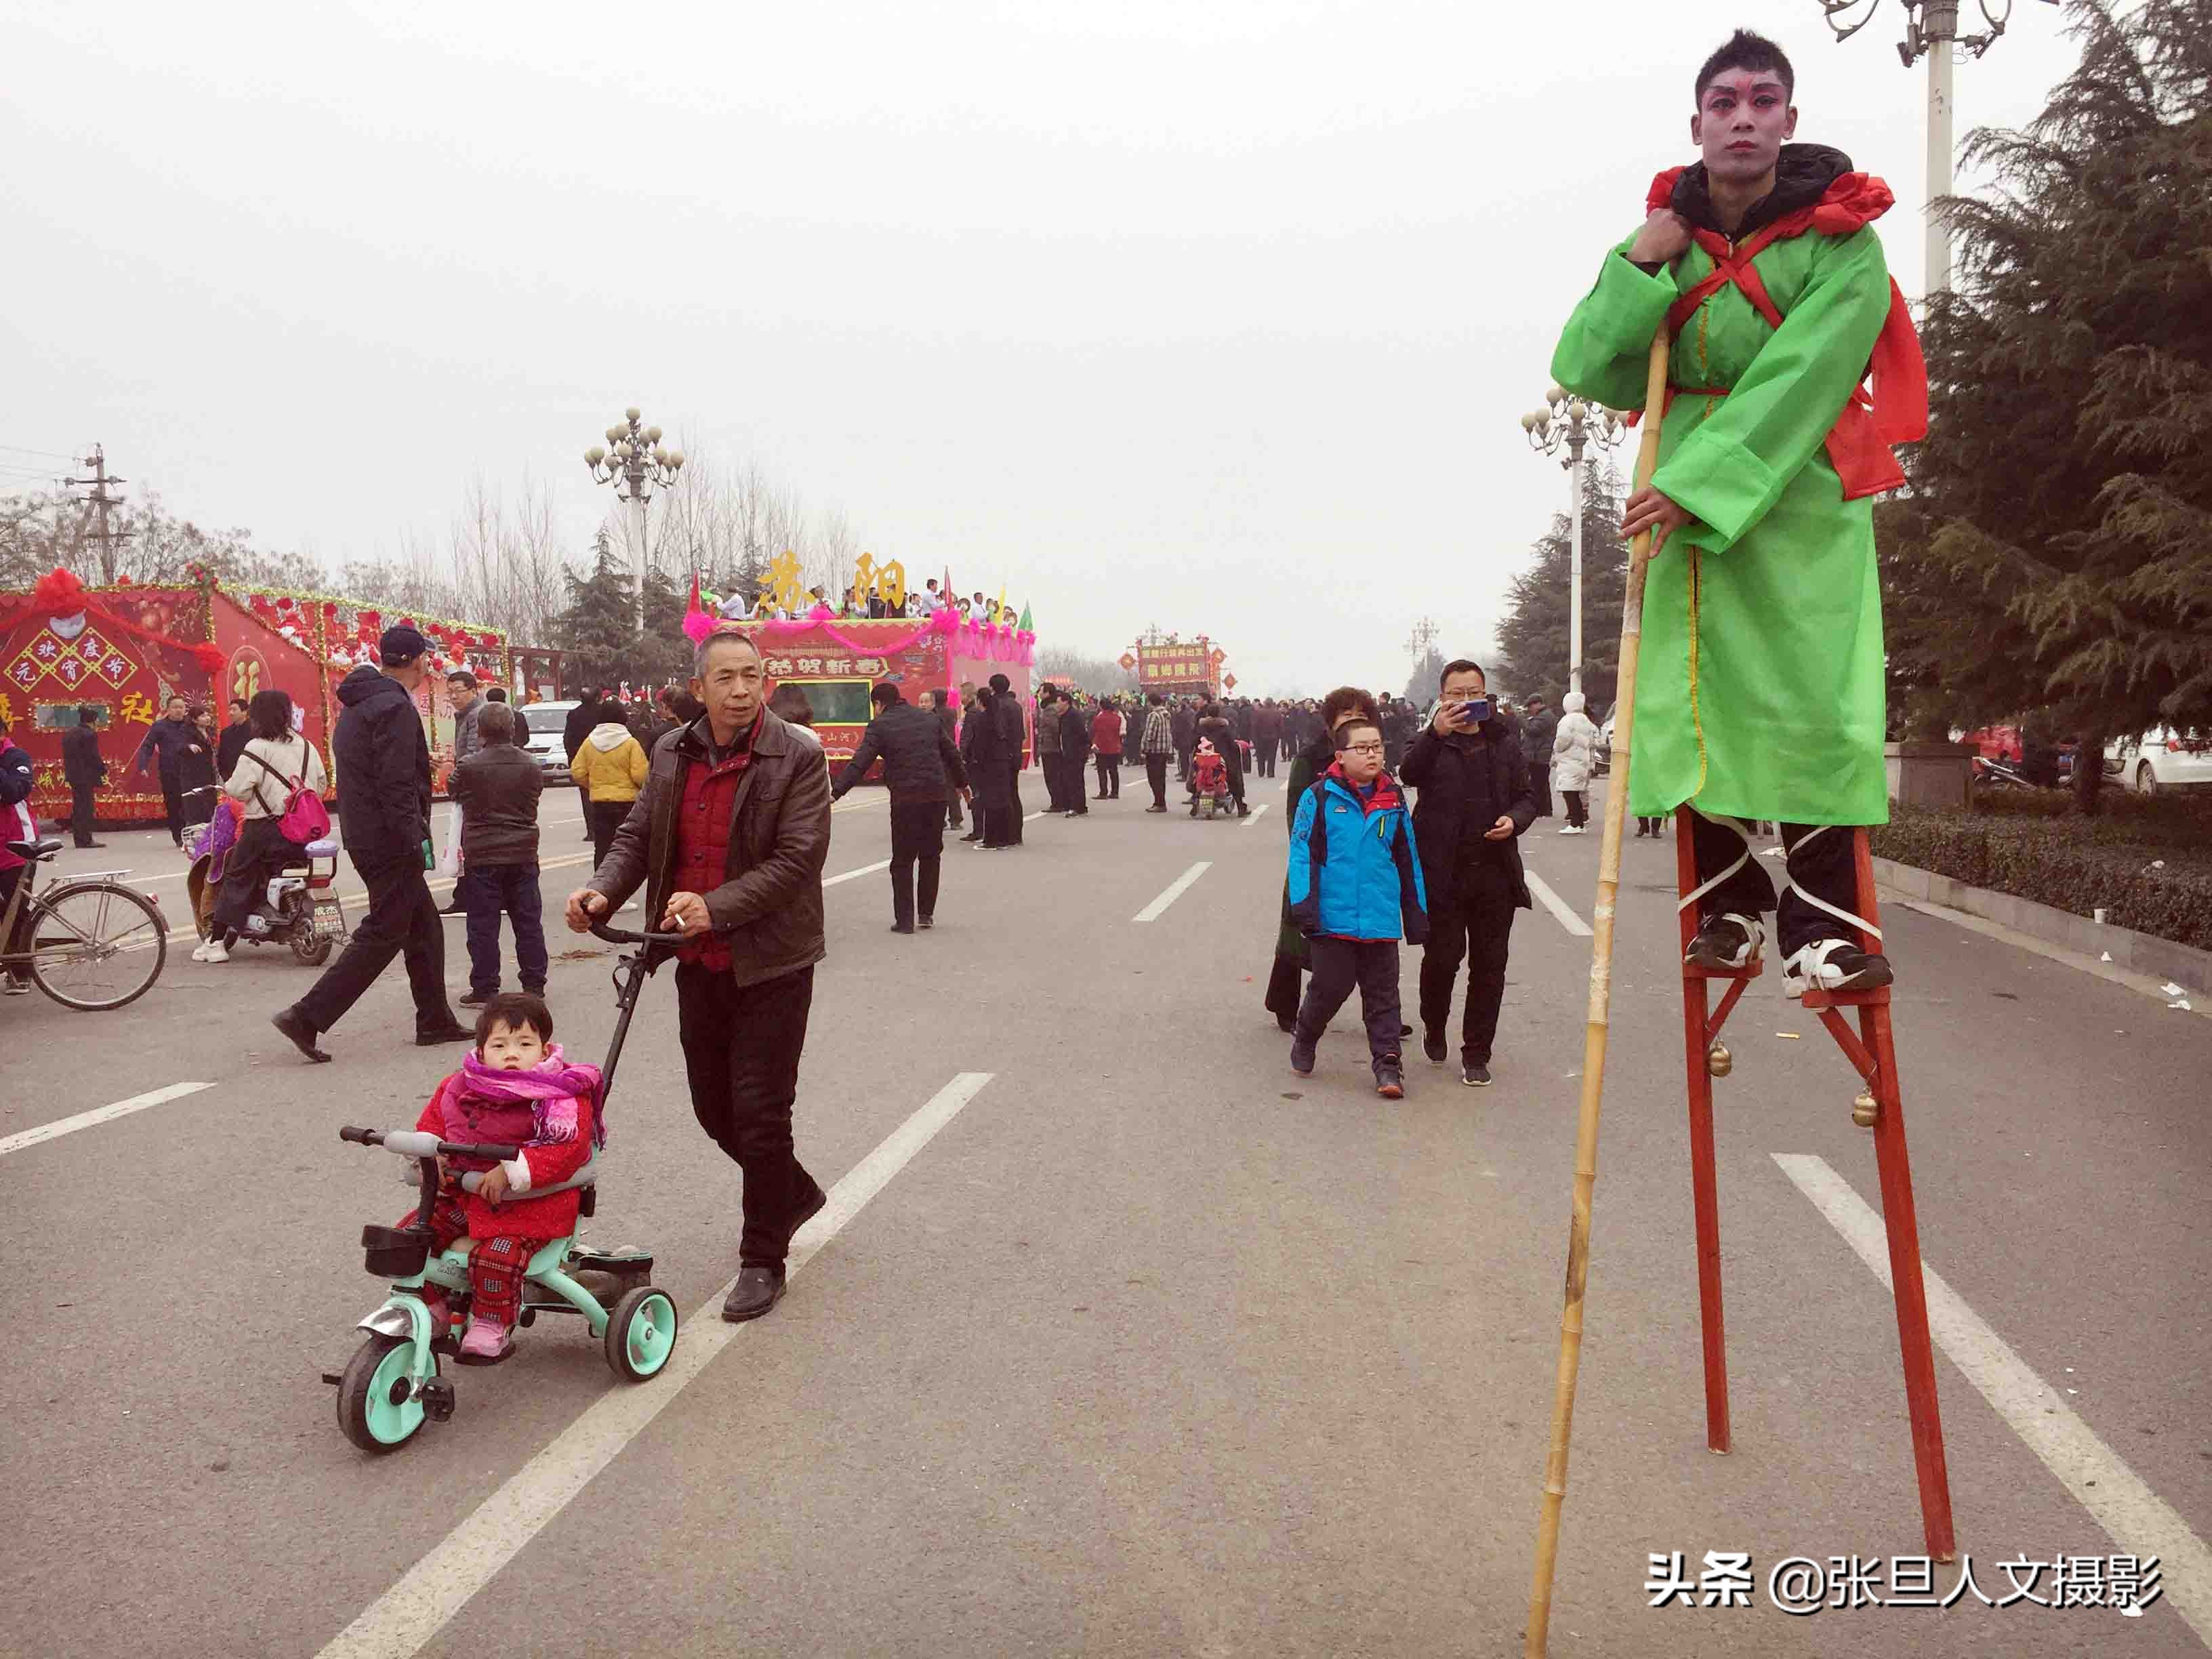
[59, 1126]
[2139, 1521]
[1152, 912]
[406, 1616]
[1557, 905]
[1258, 812]
[1040, 812]
[436, 885]
[129, 880]
[865, 870]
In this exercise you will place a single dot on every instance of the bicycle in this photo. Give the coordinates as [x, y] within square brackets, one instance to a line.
[94, 943]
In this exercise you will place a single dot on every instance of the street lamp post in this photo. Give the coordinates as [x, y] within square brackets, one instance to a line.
[1570, 423]
[634, 461]
[1931, 31]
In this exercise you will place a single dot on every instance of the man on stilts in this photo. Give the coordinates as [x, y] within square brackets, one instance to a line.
[1760, 693]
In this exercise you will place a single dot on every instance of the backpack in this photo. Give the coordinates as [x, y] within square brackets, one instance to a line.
[305, 818]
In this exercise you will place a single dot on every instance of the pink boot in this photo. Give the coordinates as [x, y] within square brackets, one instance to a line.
[487, 1343]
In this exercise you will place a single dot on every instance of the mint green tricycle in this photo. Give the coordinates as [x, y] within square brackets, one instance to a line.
[393, 1386]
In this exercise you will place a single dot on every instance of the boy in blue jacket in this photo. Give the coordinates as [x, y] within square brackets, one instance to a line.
[1355, 888]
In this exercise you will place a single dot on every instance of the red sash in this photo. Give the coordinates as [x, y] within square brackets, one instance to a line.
[1859, 442]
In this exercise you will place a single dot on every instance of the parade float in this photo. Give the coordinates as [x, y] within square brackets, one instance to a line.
[837, 661]
[125, 650]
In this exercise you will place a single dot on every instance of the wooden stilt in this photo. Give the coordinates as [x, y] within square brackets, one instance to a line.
[1700, 1034]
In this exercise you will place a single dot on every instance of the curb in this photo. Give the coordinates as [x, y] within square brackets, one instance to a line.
[2131, 951]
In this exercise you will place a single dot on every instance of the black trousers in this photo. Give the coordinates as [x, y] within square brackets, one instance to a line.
[1156, 774]
[402, 920]
[81, 803]
[1474, 921]
[172, 798]
[741, 1048]
[1825, 865]
[605, 818]
[489, 891]
[999, 824]
[1013, 822]
[1540, 786]
[952, 818]
[1074, 798]
[1263, 758]
[1110, 777]
[1339, 964]
[917, 838]
[1577, 807]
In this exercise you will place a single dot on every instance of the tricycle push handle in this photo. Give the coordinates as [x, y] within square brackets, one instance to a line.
[415, 1143]
[623, 936]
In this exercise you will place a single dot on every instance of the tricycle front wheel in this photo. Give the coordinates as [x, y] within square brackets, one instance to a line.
[376, 1407]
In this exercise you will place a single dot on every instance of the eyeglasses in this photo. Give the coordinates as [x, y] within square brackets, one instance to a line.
[1364, 747]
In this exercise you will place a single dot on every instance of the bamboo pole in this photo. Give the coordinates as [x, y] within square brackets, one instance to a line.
[1600, 999]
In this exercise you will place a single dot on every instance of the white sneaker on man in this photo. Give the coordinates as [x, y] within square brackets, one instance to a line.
[215, 950]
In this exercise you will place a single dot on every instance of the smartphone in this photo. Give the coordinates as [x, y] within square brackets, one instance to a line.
[1475, 711]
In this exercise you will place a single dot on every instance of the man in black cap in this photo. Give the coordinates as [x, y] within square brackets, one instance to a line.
[383, 763]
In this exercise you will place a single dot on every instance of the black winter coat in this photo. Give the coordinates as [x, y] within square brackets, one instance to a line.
[168, 743]
[578, 727]
[81, 761]
[917, 755]
[1482, 775]
[1075, 734]
[497, 788]
[230, 744]
[383, 765]
[980, 750]
[1006, 713]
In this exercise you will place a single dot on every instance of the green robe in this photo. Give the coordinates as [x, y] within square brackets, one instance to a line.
[1760, 690]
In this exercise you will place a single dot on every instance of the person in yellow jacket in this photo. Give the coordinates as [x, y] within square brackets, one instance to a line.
[610, 767]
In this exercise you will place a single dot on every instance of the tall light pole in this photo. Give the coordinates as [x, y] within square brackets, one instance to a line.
[633, 462]
[1569, 423]
[1931, 31]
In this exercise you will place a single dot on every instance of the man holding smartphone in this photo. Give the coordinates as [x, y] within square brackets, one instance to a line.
[1474, 800]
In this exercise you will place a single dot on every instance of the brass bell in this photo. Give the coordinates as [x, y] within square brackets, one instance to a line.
[1864, 1111]
[1718, 1062]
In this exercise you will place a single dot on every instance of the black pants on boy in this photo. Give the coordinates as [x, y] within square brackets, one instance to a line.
[741, 1048]
[1825, 866]
[1341, 964]
[1474, 921]
[488, 891]
[917, 838]
[403, 918]
[1156, 774]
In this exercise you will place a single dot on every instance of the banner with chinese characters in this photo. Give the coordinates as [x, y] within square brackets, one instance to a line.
[1177, 667]
[836, 675]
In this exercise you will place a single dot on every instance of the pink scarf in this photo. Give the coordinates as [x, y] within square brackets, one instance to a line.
[552, 1087]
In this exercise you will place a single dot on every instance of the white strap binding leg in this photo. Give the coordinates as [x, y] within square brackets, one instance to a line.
[1789, 885]
[1743, 834]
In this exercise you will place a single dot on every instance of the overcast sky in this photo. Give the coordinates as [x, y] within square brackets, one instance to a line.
[1215, 313]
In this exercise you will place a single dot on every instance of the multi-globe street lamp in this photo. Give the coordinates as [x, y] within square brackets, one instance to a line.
[634, 461]
[1572, 425]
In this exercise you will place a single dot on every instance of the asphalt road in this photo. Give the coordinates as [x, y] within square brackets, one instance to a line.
[1118, 1338]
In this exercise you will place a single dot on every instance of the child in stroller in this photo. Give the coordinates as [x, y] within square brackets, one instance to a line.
[1209, 780]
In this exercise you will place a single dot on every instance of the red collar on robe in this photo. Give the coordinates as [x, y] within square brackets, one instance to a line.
[1386, 795]
[1859, 442]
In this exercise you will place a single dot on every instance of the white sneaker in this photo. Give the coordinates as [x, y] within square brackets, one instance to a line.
[215, 950]
[199, 951]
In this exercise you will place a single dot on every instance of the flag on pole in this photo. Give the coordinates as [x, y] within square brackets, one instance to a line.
[1024, 625]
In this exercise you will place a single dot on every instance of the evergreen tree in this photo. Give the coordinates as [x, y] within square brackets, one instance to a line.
[598, 630]
[1536, 637]
[2056, 550]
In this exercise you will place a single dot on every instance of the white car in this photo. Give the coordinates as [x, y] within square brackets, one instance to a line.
[2161, 759]
[546, 722]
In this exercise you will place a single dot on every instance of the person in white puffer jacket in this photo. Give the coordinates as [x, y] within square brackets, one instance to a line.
[1572, 749]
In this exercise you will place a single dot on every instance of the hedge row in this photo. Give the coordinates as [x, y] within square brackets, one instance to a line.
[2124, 863]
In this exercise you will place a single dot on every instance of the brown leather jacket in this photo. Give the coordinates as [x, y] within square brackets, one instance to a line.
[770, 901]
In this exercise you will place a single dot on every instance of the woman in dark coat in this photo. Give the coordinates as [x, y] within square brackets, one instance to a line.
[1214, 727]
[1291, 958]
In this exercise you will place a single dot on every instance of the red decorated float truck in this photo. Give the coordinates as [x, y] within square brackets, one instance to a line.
[836, 662]
[123, 651]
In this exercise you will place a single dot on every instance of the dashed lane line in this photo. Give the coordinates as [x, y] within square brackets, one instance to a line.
[60, 1127]
[1557, 905]
[2139, 1521]
[413, 1611]
[1153, 911]
[1258, 812]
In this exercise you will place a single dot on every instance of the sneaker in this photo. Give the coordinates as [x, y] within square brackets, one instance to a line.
[487, 1343]
[1156, 809]
[1475, 1074]
[1432, 1045]
[1301, 1055]
[12, 986]
[199, 951]
[1390, 1081]
[1727, 942]
[215, 951]
[925, 922]
[1834, 964]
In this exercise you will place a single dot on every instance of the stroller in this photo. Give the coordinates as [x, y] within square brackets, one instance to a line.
[391, 1384]
[1209, 782]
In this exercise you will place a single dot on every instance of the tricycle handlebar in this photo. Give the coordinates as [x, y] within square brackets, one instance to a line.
[417, 1143]
[623, 936]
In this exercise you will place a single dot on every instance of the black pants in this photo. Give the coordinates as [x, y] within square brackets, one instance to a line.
[489, 891]
[1578, 802]
[741, 1047]
[952, 818]
[1650, 826]
[1110, 777]
[81, 805]
[1013, 830]
[172, 798]
[1075, 798]
[917, 838]
[1339, 964]
[605, 818]
[1263, 758]
[1156, 774]
[1540, 786]
[998, 824]
[258, 852]
[1473, 920]
[402, 918]
[1826, 866]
